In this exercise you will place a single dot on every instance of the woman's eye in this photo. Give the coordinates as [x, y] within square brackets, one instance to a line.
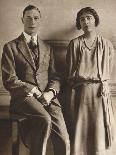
[82, 19]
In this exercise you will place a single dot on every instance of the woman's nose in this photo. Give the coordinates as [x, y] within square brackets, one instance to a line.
[86, 21]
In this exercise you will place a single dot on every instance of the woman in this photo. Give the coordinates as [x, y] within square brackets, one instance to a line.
[90, 60]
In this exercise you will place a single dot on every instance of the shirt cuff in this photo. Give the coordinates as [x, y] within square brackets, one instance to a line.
[54, 91]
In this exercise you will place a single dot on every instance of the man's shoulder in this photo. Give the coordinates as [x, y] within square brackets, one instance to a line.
[43, 43]
[13, 41]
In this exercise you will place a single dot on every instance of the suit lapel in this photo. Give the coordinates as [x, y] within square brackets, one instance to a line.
[24, 49]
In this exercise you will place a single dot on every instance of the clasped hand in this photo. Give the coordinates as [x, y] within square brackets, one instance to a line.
[45, 97]
[48, 96]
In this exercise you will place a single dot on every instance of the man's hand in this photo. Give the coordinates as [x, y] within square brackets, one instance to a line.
[35, 92]
[45, 98]
[48, 96]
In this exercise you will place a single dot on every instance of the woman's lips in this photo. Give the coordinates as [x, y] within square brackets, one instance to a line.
[32, 27]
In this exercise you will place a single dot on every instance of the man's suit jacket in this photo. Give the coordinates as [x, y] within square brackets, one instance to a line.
[19, 72]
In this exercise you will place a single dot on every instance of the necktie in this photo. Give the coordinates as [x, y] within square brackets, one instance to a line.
[34, 50]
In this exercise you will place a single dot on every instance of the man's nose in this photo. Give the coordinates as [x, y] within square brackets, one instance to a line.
[32, 20]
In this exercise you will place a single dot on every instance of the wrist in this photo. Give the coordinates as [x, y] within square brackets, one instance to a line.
[42, 100]
[37, 95]
[54, 92]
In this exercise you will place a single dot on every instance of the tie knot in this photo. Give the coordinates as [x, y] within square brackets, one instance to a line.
[32, 44]
[32, 38]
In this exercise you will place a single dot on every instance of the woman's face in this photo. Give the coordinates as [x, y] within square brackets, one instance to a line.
[87, 22]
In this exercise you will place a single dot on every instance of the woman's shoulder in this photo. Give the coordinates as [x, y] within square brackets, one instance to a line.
[77, 39]
[104, 40]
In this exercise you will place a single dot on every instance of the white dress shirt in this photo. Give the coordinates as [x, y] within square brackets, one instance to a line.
[28, 37]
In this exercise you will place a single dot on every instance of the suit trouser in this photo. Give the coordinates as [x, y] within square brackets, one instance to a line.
[42, 122]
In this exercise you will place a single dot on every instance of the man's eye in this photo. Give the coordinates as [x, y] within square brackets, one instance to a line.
[36, 18]
[28, 18]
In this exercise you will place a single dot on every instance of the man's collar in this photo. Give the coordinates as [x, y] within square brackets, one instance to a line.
[28, 37]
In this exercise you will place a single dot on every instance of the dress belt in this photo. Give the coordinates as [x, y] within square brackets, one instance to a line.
[75, 83]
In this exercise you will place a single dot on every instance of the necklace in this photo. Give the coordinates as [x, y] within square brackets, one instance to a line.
[90, 47]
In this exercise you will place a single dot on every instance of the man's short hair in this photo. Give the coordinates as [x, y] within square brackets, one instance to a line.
[31, 7]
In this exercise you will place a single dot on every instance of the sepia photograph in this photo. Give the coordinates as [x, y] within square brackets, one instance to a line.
[57, 77]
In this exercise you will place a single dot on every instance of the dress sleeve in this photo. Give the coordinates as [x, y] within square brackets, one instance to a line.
[111, 56]
[69, 58]
[72, 57]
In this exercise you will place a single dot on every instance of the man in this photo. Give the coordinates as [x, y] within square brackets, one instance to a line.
[29, 74]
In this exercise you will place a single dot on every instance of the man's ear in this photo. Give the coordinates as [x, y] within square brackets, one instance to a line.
[22, 20]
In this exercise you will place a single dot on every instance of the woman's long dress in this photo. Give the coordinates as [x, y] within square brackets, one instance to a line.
[89, 72]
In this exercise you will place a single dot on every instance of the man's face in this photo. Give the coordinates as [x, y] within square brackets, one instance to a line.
[31, 21]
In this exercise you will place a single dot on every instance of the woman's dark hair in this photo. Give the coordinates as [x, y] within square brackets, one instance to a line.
[31, 7]
[86, 10]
